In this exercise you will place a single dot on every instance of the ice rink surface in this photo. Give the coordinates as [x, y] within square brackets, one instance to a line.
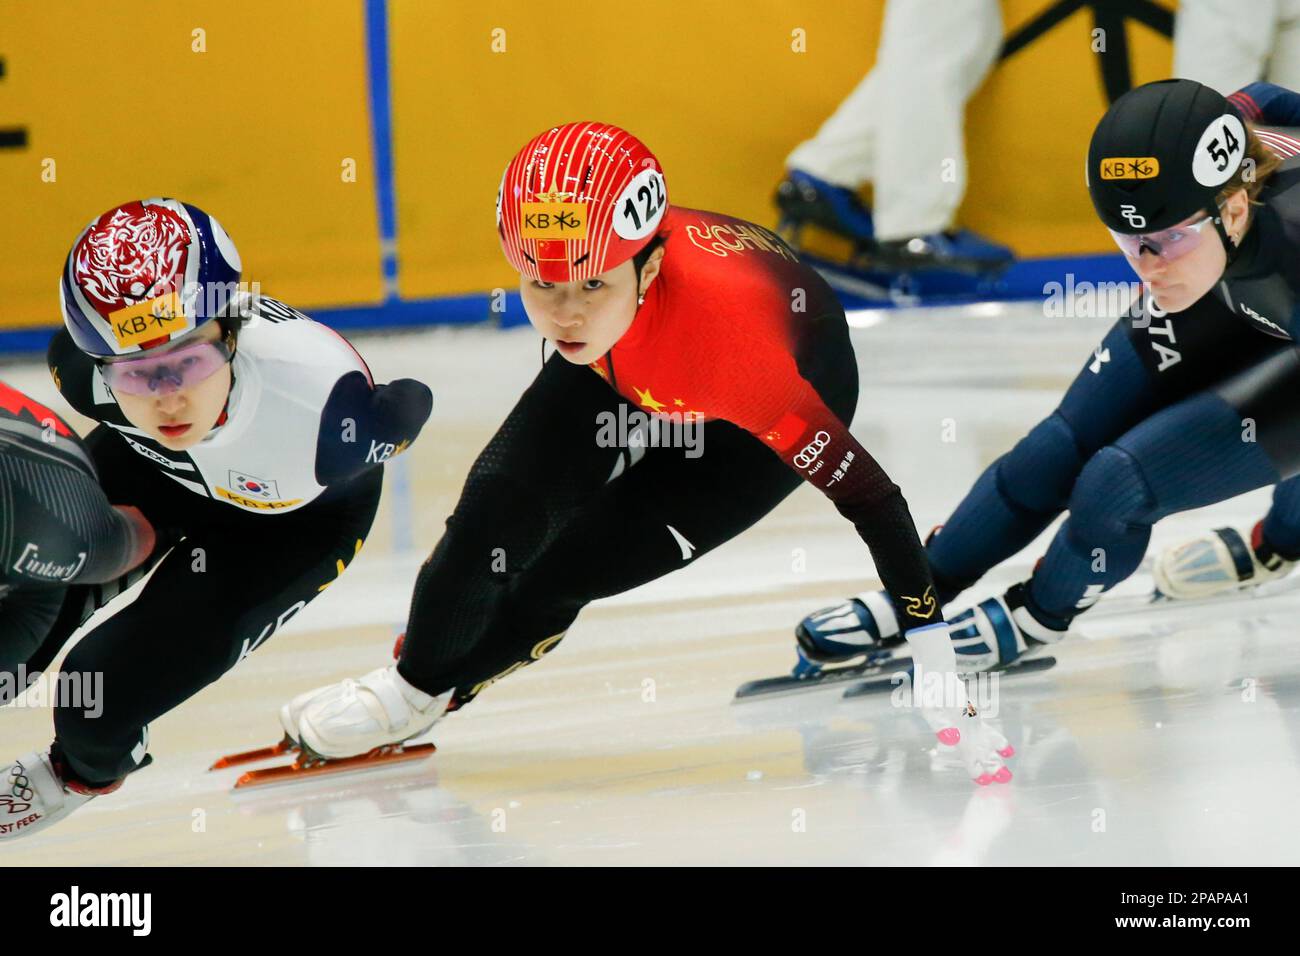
[1166, 736]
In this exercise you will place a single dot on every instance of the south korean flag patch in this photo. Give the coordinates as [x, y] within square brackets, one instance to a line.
[251, 487]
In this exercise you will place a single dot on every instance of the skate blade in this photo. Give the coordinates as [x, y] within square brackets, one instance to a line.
[1154, 599]
[788, 683]
[886, 683]
[307, 766]
[252, 756]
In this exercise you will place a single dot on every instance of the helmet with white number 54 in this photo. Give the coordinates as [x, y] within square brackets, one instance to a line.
[1161, 154]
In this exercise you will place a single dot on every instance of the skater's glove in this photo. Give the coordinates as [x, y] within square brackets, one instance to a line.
[982, 748]
[942, 698]
[364, 425]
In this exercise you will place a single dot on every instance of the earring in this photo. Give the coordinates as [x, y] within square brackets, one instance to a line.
[640, 300]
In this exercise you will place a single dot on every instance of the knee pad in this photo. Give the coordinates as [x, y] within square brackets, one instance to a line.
[1110, 496]
[1038, 473]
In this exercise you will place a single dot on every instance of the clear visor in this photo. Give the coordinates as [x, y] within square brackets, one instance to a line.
[169, 372]
[1171, 243]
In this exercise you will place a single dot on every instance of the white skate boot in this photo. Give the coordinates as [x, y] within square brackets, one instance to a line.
[998, 632]
[1216, 563]
[354, 717]
[33, 796]
[290, 711]
[351, 725]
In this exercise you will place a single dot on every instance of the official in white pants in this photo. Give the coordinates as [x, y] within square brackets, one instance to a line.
[1226, 44]
[901, 127]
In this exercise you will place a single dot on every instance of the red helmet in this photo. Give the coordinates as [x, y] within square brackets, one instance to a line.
[578, 200]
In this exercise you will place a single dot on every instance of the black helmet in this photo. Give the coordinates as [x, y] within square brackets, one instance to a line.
[1161, 153]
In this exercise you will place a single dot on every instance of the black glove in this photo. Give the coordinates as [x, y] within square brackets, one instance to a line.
[361, 426]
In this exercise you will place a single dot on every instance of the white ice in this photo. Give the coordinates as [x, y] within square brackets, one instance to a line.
[1161, 737]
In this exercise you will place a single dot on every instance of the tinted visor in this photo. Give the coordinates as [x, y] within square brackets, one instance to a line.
[169, 372]
[1169, 244]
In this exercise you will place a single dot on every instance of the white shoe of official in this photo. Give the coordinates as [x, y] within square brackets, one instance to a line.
[356, 716]
[1217, 562]
[33, 796]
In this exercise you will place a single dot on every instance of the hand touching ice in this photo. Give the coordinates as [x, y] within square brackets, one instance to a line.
[942, 698]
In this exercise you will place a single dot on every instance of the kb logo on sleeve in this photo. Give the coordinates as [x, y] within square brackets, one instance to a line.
[381, 451]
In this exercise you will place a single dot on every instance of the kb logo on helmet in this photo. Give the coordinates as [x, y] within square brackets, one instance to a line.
[808, 454]
[142, 321]
[1130, 212]
[1130, 167]
[553, 220]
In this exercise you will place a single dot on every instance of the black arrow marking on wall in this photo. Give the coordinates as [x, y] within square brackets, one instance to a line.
[1107, 15]
[11, 137]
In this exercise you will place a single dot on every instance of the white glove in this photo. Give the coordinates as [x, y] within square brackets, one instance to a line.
[941, 696]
